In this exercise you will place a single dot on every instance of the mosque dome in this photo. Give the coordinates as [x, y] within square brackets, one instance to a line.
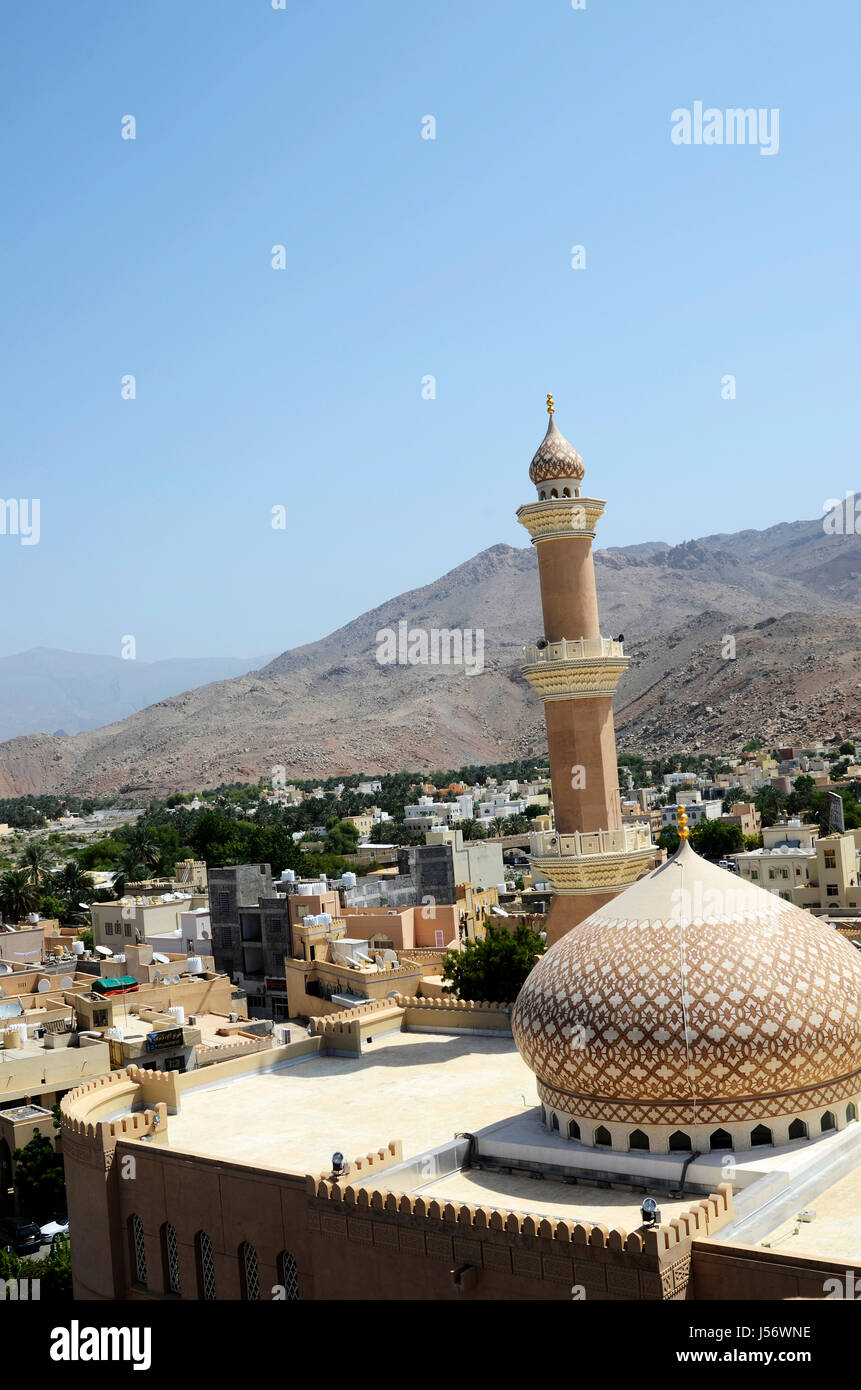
[555, 458]
[695, 1000]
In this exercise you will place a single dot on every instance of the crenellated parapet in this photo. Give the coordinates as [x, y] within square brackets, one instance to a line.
[651, 1263]
[383, 1158]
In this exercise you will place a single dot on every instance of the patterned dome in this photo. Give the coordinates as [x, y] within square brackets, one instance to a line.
[555, 458]
[693, 988]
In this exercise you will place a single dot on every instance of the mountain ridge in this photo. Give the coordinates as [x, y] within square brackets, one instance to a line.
[330, 707]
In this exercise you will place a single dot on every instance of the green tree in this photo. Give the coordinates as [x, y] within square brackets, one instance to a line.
[73, 883]
[769, 802]
[493, 969]
[18, 896]
[533, 810]
[35, 861]
[668, 839]
[342, 838]
[731, 796]
[846, 747]
[715, 838]
[40, 1179]
[753, 746]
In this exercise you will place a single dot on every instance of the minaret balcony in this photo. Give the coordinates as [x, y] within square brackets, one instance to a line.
[594, 861]
[558, 518]
[575, 668]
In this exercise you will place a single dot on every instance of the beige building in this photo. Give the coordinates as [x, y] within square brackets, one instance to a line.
[134, 920]
[817, 872]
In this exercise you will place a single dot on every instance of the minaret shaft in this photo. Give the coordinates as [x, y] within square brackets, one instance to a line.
[569, 602]
[590, 856]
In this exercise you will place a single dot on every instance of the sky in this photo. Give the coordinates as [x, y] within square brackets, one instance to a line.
[405, 258]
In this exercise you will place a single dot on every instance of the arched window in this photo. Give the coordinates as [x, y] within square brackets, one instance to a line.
[720, 1140]
[554, 1121]
[566, 492]
[249, 1272]
[542, 496]
[138, 1249]
[798, 1130]
[638, 1140]
[288, 1274]
[761, 1135]
[205, 1268]
[170, 1254]
[851, 1112]
[602, 1136]
[553, 492]
[573, 1129]
[828, 1122]
[680, 1142]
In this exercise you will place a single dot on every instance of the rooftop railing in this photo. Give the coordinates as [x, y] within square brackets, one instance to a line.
[575, 649]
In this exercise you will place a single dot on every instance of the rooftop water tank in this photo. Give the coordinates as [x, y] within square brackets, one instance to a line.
[77, 948]
[177, 1013]
[195, 965]
[348, 880]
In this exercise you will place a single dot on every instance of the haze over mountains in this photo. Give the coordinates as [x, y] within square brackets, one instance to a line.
[330, 707]
[67, 692]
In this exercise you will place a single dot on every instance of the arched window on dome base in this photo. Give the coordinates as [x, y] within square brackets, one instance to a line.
[680, 1142]
[603, 1138]
[761, 1135]
[798, 1129]
[828, 1122]
[573, 1129]
[851, 1113]
[638, 1140]
[554, 1121]
[720, 1139]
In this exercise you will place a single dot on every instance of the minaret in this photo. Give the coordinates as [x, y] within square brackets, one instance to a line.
[590, 856]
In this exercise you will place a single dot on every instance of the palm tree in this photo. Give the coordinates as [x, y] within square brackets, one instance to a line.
[141, 841]
[17, 896]
[35, 862]
[130, 869]
[72, 883]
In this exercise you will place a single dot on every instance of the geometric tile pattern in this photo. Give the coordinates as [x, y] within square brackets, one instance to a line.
[691, 987]
[555, 458]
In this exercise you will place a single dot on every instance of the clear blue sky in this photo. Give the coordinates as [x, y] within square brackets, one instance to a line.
[405, 257]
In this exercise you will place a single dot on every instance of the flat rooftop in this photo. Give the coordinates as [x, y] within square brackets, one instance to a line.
[421, 1088]
[834, 1232]
[553, 1197]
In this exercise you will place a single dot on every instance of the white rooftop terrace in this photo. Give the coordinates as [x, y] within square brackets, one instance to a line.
[421, 1088]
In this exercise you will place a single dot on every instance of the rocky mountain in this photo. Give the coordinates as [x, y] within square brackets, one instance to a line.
[68, 692]
[332, 707]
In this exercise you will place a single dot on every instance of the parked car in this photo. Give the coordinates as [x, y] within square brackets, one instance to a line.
[20, 1235]
[728, 864]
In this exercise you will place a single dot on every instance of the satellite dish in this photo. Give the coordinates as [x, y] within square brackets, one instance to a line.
[158, 977]
[160, 959]
[43, 986]
[104, 951]
[66, 982]
[85, 906]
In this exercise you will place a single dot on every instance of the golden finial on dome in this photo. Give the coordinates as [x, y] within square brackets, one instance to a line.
[682, 823]
[550, 406]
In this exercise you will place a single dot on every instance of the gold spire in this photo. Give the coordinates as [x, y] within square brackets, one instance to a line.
[682, 823]
[550, 406]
